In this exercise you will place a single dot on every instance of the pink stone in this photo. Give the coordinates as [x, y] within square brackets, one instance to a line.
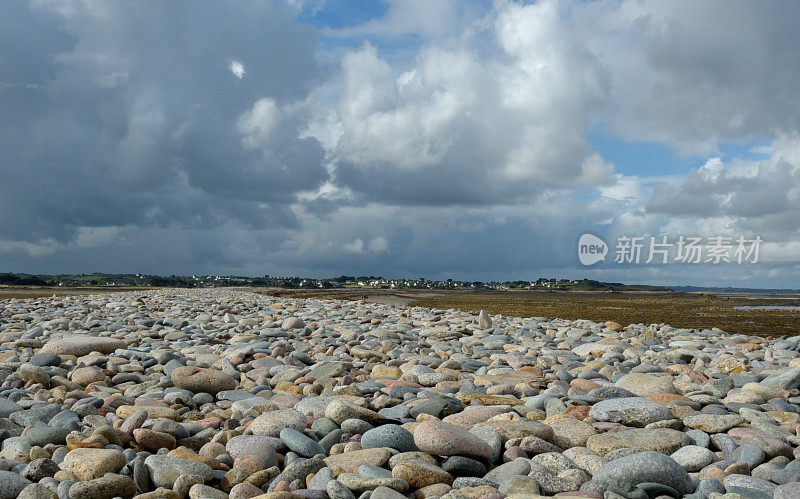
[743, 432]
[512, 453]
[212, 422]
[604, 426]
[472, 415]
[445, 439]
[152, 441]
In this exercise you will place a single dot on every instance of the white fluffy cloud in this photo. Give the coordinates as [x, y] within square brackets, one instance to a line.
[743, 196]
[482, 127]
[258, 123]
[237, 69]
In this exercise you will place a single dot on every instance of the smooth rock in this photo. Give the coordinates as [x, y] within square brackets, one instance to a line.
[630, 411]
[662, 440]
[389, 435]
[646, 466]
[271, 423]
[88, 464]
[164, 470]
[200, 380]
[445, 439]
[80, 345]
[11, 484]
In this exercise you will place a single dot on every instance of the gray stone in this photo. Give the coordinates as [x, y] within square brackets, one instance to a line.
[708, 485]
[439, 407]
[104, 487]
[300, 443]
[747, 485]
[630, 411]
[11, 484]
[550, 483]
[63, 489]
[389, 435]
[203, 380]
[45, 360]
[15, 446]
[785, 379]
[658, 489]
[484, 321]
[164, 470]
[200, 491]
[358, 483]
[320, 479]
[491, 437]
[713, 423]
[38, 415]
[263, 446]
[383, 492]
[519, 466]
[647, 466]
[693, 457]
[184, 483]
[724, 443]
[788, 491]
[336, 490]
[80, 345]
[463, 466]
[369, 471]
[43, 435]
[7, 407]
[340, 410]
[271, 423]
[751, 454]
[298, 470]
[39, 468]
[699, 438]
[293, 323]
[330, 370]
[64, 418]
[356, 426]
[141, 475]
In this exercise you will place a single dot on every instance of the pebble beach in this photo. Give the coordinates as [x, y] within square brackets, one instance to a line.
[223, 393]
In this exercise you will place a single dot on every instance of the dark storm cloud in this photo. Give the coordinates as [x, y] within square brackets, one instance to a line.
[125, 113]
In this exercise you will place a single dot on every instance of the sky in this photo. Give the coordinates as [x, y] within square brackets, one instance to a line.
[459, 139]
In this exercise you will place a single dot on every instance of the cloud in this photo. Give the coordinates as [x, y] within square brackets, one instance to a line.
[356, 246]
[119, 118]
[692, 76]
[257, 124]
[237, 69]
[464, 127]
[754, 197]
[378, 245]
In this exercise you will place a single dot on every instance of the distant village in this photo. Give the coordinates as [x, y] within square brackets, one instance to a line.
[344, 281]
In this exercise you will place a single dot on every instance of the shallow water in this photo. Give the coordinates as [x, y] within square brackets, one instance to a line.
[767, 307]
[760, 297]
